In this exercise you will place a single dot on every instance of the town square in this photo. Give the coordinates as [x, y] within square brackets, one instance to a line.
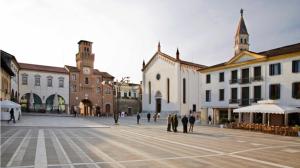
[150, 84]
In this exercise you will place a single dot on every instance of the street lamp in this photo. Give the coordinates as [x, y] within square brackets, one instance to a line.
[117, 88]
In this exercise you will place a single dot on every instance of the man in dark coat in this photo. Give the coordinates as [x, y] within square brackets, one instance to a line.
[192, 122]
[148, 117]
[175, 123]
[184, 121]
[138, 117]
[12, 116]
[169, 119]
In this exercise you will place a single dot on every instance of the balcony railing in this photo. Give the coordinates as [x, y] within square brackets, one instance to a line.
[234, 101]
[257, 78]
[232, 81]
[245, 102]
[244, 80]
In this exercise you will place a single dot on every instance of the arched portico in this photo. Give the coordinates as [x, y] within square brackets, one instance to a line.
[86, 107]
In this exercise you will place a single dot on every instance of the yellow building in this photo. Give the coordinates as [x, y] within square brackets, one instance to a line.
[6, 74]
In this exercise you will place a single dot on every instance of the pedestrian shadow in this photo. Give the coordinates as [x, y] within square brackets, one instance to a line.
[209, 135]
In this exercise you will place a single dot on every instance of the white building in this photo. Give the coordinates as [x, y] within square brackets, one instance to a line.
[251, 76]
[216, 90]
[45, 83]
[170, 85]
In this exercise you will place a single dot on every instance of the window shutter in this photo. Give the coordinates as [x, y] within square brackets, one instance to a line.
[270, 92]
[278, 88]
[279, 69]
[270, 69]
[294, 67]
[293, 90]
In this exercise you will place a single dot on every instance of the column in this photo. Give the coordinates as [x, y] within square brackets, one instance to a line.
[286, 119]
[204, 116]
[240, 117]
[251, 118]
[264, 118]
[229, 114]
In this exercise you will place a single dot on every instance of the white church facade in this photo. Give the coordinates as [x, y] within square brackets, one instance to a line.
[170, 84]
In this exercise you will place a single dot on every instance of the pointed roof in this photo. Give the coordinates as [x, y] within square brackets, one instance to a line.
[242, 29]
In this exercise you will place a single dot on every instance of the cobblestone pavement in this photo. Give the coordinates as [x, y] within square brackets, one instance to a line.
[131, 145]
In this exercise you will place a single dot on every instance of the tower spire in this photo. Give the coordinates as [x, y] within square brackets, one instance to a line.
[241, 36]
[158, 46]
[177, 54]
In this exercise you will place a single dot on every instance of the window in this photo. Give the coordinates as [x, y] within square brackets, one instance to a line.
[274, 69]
[208, 78]
[73, 77]
[98, 90]
[168, 90]
[98, 80]
[49, 81]
[296, 66]
[184, 90]
[296, 90]
[129, 94]
[86, 80]
[207, 96]
[37, 80]
[61, 82]
[234, 76]
[74, 89]
[221, 77]
[24, 79]
[125, 94]
[134, 94]
[257, 93]
[221, 94]
[149, 85]
[257, 73]
[234, 95]
[274, 91]
[107, 91]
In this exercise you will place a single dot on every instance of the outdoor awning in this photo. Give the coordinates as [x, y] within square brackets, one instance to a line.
[267, 107]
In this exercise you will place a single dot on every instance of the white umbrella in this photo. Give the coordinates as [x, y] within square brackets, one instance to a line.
[55, 101]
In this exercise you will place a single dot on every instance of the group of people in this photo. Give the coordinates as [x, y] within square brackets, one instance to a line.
[173, 122]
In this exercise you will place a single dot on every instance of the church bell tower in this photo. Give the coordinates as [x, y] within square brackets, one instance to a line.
[241, 36]
[85, 58]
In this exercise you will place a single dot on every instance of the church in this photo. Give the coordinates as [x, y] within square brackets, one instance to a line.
[170, 84]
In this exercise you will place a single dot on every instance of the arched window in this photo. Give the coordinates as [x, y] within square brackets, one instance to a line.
[149, 92]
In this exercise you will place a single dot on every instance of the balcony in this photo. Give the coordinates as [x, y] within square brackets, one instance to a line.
[245, 102]
[233, 81]
[234, 101]
[257, 78]
[244, 80]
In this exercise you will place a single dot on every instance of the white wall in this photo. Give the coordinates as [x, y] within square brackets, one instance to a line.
[166, 69]
[43, 91]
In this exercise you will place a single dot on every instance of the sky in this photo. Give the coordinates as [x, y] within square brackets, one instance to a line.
[126, 32]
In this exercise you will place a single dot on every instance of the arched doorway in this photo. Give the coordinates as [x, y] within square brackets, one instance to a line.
[31, 104]
[86, 107]
[107, 108]
[53, 105]
[158, 97]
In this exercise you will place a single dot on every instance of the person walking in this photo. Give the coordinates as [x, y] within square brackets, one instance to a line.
[184, 121]
[169, 119]
[138, 117]
[209, 120]
[155, 117]
[192, 122]
[175, 123]
[75, 111]
[148, 116]
[12, 116]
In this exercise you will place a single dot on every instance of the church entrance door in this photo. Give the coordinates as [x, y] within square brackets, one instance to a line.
[158, 105]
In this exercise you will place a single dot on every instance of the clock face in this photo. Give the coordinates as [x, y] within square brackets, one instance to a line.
[86, 70]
